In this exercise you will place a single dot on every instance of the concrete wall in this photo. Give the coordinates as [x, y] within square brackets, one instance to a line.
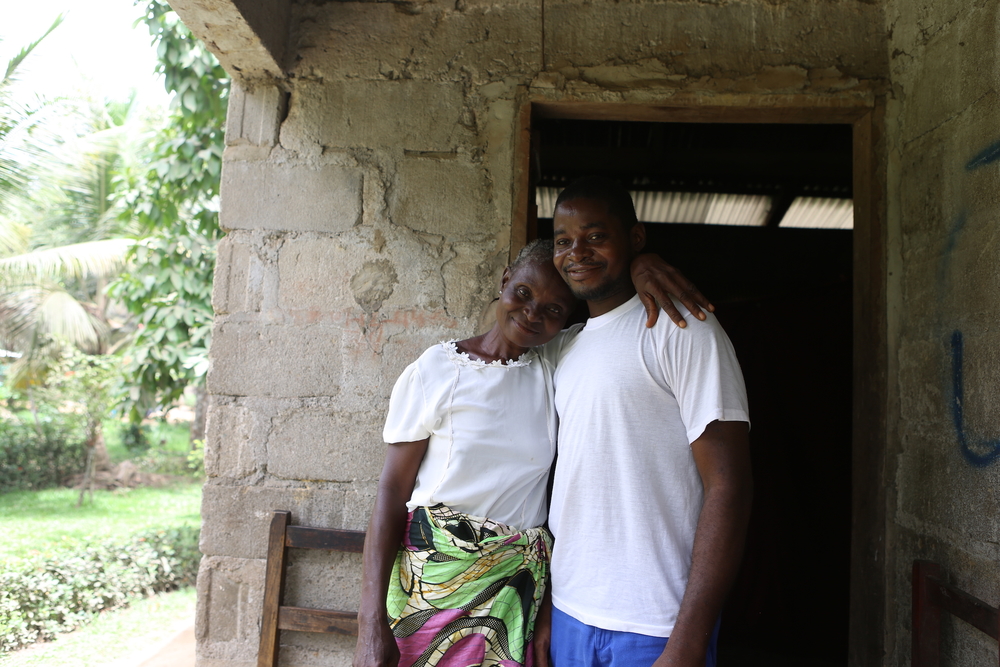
[943, 130]
[368, 202]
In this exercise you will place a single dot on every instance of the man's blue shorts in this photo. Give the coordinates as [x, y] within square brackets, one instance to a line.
[575, 644]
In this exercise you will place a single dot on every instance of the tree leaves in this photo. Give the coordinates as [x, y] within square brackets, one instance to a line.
[168, 287]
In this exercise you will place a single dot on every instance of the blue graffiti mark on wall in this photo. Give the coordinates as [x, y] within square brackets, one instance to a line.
[988, 451]
[988, 155]
[956, 229]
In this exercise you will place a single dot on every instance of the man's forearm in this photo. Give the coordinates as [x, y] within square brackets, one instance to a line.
[722, 456]
[715, 561]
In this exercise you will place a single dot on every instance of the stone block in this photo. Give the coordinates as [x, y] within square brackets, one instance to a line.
[309, 649]
[323, 580]
[275, 360]
[230, 600]
[229, 445]
[236, 518]
[389, 343]
[359, 499]
[326, 445]
[472, 279]
[413, 115]
[483, 40]
[440, 197]
[239, 275]
[707, 38]
[255, 114]
[290, 197]
[313, 275]
[939, 63]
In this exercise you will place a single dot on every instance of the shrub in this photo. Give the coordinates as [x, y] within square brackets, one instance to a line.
[43, 596]
[33, 460]
[135, 437]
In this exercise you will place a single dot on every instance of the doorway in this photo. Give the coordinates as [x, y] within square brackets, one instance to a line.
[760, 217]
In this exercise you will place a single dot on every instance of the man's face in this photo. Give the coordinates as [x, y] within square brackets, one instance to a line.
[593, 253]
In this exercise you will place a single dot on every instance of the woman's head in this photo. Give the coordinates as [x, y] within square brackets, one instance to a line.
[534, 299]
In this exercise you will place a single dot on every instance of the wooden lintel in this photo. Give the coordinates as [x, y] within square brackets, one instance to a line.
[803, 113]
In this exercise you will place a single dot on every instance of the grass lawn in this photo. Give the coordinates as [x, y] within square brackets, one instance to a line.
[41, 521]
[113, 635]
[168, 438]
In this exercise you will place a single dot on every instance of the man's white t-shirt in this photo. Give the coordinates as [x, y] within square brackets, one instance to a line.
[627, 495]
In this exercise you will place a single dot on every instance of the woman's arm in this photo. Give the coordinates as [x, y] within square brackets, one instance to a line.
[655, 281]
[376, 646]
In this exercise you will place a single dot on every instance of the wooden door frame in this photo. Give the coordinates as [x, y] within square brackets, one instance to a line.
[870, 370]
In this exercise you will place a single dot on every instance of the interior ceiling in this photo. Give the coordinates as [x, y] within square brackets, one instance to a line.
[749, 174]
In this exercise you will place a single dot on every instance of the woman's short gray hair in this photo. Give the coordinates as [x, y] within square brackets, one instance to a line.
[539, 250]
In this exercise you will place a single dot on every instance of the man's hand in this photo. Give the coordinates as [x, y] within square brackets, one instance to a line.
[543, 631]
[376, 645]
[676, 654]
[655, 281]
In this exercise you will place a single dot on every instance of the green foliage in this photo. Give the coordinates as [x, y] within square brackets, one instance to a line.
[135, 438]
[43, 454]
[43, 596]
[169, 292]
[174, 439]
[113, 637]
[183, 183]
[169, 287]
[15, 119]
[196, 458]
[90, 381]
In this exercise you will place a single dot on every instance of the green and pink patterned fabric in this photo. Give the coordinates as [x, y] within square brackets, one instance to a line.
[466, 590]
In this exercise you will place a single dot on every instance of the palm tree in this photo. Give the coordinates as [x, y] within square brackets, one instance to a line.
[16, 119]
[62, 232]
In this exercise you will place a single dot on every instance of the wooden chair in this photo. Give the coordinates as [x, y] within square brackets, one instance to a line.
[300, 619]
[931, 596]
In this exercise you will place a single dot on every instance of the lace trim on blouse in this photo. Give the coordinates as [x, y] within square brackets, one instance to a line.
[464, 359]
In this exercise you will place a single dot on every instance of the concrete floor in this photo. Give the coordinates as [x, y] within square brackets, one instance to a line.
[177, 652]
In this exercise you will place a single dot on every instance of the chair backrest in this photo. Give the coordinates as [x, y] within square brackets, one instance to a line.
[932, 595]
[282, 537]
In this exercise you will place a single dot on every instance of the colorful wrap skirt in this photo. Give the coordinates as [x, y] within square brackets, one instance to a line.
[466, 590]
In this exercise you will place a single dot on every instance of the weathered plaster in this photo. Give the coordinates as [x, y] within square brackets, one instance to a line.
[943, 198]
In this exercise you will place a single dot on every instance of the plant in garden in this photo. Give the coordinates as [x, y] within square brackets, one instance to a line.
[42, 596]
[168, 288]
[93, 383]
[41, 454]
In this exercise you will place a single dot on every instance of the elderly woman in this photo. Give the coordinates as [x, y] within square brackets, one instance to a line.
[456, 556]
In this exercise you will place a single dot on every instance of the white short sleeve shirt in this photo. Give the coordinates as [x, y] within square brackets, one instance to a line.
[627, 495]
[491, 432]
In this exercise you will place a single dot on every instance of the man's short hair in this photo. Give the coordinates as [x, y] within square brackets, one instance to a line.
[614, 196]
[538, 251]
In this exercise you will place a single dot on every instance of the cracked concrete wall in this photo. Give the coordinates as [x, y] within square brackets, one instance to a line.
[943, 133]
[367, 198]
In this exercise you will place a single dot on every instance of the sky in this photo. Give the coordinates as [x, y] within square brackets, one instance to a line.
[95, 50]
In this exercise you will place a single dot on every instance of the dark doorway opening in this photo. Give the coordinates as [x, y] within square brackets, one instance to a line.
[784, 295]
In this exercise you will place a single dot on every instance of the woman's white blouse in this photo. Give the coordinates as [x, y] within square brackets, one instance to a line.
[491, 430]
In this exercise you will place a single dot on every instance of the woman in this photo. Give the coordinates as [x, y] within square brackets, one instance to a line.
[473, 433]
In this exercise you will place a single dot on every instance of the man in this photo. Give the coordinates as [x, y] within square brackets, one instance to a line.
[652, 488]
